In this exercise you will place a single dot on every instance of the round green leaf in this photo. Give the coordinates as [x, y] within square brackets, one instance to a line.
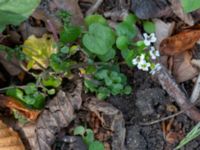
[95, 19]
[149, 26]
[79, 130]
[122, 42]
[96, 145]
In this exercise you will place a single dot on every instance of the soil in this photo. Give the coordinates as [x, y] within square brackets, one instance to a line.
[148, 102]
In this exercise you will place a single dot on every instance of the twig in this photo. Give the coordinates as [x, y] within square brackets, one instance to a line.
[196, 90]
[94, 7]
[168, 83]
[52, 28]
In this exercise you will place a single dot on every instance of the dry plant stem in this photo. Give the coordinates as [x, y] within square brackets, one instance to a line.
[52, 28]
[196, 89]
[94, 7]
[168, 83]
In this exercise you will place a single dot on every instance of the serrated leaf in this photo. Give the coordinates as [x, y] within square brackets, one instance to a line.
[99, 39]
[149, 26]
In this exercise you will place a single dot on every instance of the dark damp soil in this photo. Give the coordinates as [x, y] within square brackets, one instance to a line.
[148, 102]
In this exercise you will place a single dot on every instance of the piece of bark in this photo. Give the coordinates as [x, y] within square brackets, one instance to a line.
[168, 83]
[111, 119]
[58, 113]
[147, 9]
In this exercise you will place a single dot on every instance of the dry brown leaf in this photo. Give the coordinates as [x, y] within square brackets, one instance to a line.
[9, 139]
[183, 70]
[163, 30]
[11, 103]
[180, 42]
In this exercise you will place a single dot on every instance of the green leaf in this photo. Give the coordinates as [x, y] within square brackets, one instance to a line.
[14, 12]
[96, 145]
[126, 29]
[99, 40]
[89, 137]
[149, 26]
[190, 5]
[70, 34]
[127, 90]
[95, 19]
[131, 19]
[103, 93]
[90, 85]
[51, 91]
[64, 50]
[79, 130]
[116, 88]
[30, 88]
[52, 81]
[109, 55]
[122, 42]
[15, 92]
[36, 100]
[128, 55]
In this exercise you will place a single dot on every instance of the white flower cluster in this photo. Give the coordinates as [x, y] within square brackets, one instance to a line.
[140, 61]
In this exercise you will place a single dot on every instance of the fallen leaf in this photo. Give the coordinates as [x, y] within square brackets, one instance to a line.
[178, 10]
[183, 70]
[11, 66]
[9, 139]
[11, 103]
[163, 30]
[180, 42]
[38, 51]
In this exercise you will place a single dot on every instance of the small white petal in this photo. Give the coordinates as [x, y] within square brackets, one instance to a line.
[153, 56]
[152, 48]
[142, 57]
[153, 39]
[157, 53]
[145, 35]
[156, 68]
[147, 42]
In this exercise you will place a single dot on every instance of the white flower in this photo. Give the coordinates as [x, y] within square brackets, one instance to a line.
[139, 59]
[154, 53]
[144, 66]
[148, 39]
[156, 68]
[136, 60]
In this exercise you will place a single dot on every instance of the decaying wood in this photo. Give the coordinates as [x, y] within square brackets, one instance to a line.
[168, 83]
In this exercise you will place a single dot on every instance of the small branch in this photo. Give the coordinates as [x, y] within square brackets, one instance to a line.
[196, 90]
[168, 83]
[52, 28]
[94, 7]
